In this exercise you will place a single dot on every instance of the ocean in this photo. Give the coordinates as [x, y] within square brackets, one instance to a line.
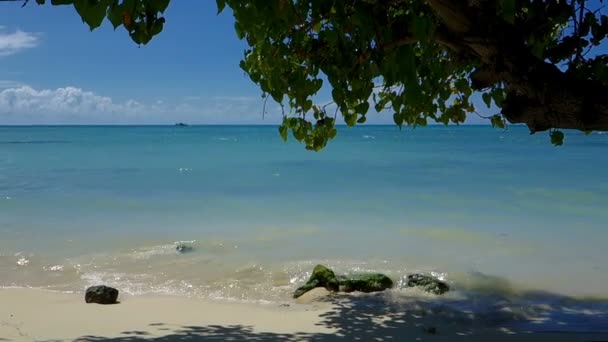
[500, 215]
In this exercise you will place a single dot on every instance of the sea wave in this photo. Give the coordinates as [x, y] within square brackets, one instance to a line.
[474, 297]
[214, 270]
[227, 139]
[159, 250]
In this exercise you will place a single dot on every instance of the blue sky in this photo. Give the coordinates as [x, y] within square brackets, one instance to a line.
[188, 73]
[53, 70]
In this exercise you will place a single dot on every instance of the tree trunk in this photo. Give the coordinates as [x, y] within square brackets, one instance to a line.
[538, 93]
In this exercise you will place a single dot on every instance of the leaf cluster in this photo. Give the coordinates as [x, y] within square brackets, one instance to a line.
[394, 56]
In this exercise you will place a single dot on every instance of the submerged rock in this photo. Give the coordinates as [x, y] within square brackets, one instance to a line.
[183, 248]
[101, 295]
[365, 282]
[427, 283]
[321, 277]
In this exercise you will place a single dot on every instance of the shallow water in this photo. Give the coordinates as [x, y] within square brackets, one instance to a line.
[473, 205]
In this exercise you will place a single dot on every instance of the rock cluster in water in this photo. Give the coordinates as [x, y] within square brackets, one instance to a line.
[101, 295]
[323, 277]
[326, 278]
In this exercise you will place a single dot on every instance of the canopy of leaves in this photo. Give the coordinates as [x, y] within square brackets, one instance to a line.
[421, 60]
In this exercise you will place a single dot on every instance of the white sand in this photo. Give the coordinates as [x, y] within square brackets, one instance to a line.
[36, 315]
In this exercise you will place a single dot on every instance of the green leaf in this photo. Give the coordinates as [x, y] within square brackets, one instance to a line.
[92, 13]
[557, 137]
[398, 119]
[487, 99]
[239, 31]
[115, 15]
[408, 60]
[350, 119]
[140, 34]
[332, 133]
[508, 10]
[283, 132]
[157, 27]
[362, 108]
[221, 4]
[307, 105]
[498, 94]
[462, 85]
[498, 121]
[317, 27]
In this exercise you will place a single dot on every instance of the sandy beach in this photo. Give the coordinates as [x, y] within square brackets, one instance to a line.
[37, 315]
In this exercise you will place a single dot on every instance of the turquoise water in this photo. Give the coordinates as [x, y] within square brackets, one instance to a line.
[479, 207]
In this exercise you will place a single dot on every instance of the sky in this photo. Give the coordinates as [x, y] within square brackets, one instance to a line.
[53, 70]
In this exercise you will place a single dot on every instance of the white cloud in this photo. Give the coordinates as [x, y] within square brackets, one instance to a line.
[11, 43]
[61, 100]
[71, 105]
[23, 104]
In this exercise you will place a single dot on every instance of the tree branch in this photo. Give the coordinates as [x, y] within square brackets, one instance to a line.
[538, 93]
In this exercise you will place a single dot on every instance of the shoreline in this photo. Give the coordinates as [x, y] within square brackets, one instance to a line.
[40, 315]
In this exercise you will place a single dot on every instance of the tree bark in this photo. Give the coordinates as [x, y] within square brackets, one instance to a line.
[562, 103]
[539, 94]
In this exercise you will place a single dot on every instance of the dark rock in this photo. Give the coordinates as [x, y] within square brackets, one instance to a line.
[101, 295]
[183, 248]
[311, 284]
[365, 282]
[321, 277]
[427, 283]
[430, 330]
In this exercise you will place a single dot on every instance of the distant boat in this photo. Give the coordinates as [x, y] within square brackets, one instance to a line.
[181, 124]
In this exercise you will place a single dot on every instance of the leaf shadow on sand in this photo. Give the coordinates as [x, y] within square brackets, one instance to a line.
[382, 317]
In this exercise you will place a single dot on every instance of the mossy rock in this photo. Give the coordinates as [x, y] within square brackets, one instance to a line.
[427, 283]
[365, 282]
[321, 277]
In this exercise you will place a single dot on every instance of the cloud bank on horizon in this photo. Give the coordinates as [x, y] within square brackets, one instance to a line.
[73, 105]
[25, 105]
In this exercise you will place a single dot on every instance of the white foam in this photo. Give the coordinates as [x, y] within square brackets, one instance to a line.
[227, 139]
[169, 249]
[54, 268]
